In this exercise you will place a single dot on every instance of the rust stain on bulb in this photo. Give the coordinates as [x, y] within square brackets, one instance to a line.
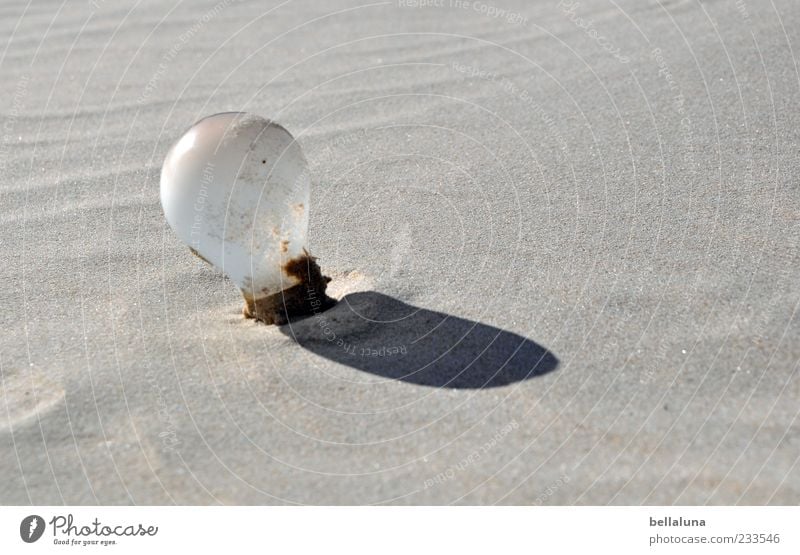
[200, 256]
[305, 298]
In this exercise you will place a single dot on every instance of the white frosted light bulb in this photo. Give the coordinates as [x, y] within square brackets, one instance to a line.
[235, 188]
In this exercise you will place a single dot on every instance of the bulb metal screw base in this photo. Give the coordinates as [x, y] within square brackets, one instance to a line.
[303, 299]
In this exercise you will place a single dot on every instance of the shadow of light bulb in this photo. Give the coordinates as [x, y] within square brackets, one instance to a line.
[235, 188]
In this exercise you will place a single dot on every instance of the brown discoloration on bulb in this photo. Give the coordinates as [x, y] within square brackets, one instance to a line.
[285, 245]
[200, 256]
[303, 299]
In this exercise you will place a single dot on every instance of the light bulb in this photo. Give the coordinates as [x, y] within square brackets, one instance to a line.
[235, 188]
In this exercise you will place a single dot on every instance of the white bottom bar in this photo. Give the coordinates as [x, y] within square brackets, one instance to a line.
[400, 530]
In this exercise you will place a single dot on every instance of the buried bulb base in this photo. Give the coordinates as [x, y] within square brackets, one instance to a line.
[303, 299]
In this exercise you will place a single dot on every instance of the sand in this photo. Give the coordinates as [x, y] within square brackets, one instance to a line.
[563, 237]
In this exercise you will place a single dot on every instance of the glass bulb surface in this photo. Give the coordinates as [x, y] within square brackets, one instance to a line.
[235, 188]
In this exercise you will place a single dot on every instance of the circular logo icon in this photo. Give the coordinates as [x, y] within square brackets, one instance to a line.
[31, 528]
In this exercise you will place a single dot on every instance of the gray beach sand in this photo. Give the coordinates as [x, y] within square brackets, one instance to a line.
[564, 236]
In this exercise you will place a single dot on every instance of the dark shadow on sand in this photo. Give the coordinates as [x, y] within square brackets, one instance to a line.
[381, 335]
